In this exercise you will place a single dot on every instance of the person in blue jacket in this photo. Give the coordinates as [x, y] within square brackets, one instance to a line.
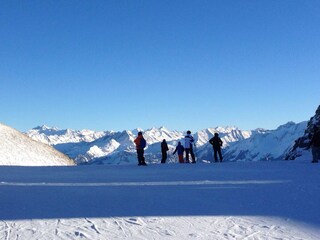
[180, 150]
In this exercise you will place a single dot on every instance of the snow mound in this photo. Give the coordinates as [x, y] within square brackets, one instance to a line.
[20, 150]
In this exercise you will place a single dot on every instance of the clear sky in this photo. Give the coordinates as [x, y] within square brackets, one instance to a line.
[115, 65]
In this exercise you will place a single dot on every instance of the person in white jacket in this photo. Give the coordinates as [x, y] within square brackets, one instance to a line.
[188, 142]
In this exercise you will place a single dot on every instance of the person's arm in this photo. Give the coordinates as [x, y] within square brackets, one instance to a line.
[175, 151]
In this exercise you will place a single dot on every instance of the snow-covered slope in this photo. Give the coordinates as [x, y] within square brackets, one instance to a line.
[239, 200]
[18, 149]
[111, 147]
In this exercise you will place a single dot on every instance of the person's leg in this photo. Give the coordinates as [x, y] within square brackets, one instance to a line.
[180, 158]
[163, 157]
[318, 154]
[140, 156]
[315, 154]
[143, 160]
[192, 155]
[215, 155]
[220, 154]
[187, 155]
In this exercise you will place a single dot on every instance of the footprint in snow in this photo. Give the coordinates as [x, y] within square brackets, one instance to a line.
[79, 234]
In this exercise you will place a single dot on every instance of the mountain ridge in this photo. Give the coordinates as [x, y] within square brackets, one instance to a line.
[112, 147]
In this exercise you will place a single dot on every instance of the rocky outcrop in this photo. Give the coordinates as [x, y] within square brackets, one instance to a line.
[302, 144]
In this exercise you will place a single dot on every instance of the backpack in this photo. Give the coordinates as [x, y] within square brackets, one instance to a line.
[143, 143]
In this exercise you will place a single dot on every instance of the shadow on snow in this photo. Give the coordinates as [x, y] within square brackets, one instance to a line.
[189, 190]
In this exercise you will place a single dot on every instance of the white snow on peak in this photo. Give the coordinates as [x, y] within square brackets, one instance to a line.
[136, 130]
[228, 134]
[54, 136]
[266, 145]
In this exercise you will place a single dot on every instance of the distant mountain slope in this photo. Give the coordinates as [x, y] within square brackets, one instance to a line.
[266, 144]
[111, 147]
[20, 150]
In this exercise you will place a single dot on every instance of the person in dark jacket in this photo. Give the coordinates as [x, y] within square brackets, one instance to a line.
[315, 145]
[216, 143]
[140, 145]
[164, 149]
[180, 150]
[188, 142]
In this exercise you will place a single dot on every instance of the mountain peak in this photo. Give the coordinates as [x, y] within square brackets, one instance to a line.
[42, 127]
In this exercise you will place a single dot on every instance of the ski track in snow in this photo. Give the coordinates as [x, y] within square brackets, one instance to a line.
[238, 228]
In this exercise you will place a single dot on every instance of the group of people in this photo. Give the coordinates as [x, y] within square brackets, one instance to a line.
[216, 143]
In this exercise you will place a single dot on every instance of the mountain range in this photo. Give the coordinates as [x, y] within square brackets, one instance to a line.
[112, 147]
[45, 146]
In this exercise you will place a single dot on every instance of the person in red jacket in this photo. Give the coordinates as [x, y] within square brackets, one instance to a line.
[140, 143]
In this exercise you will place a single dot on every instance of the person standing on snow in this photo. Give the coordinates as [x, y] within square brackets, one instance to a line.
[164, 149]
[315, 145]
[188, 141]
[216, 143]
[180, 150]
[140, 145]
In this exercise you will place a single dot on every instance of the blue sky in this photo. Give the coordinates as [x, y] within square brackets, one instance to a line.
[115, 65]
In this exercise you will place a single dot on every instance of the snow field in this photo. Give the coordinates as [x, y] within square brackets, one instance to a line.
[256, 200]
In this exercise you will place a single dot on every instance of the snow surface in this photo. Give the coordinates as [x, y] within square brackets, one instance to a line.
[236, 200]
[20, 150]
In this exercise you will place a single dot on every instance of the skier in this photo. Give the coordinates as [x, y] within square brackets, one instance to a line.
[216, 143]
[164, 149]
[188, 141]
[315, 144]
[180, 150]
[140, 145]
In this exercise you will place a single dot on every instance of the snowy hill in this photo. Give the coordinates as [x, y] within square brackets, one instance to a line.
[110, 147]
[18, 149]
[238, 200]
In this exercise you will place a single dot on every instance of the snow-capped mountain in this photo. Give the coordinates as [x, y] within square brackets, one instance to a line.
[20, 150]
[265, 144]
[54, 136]
[110, 147]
